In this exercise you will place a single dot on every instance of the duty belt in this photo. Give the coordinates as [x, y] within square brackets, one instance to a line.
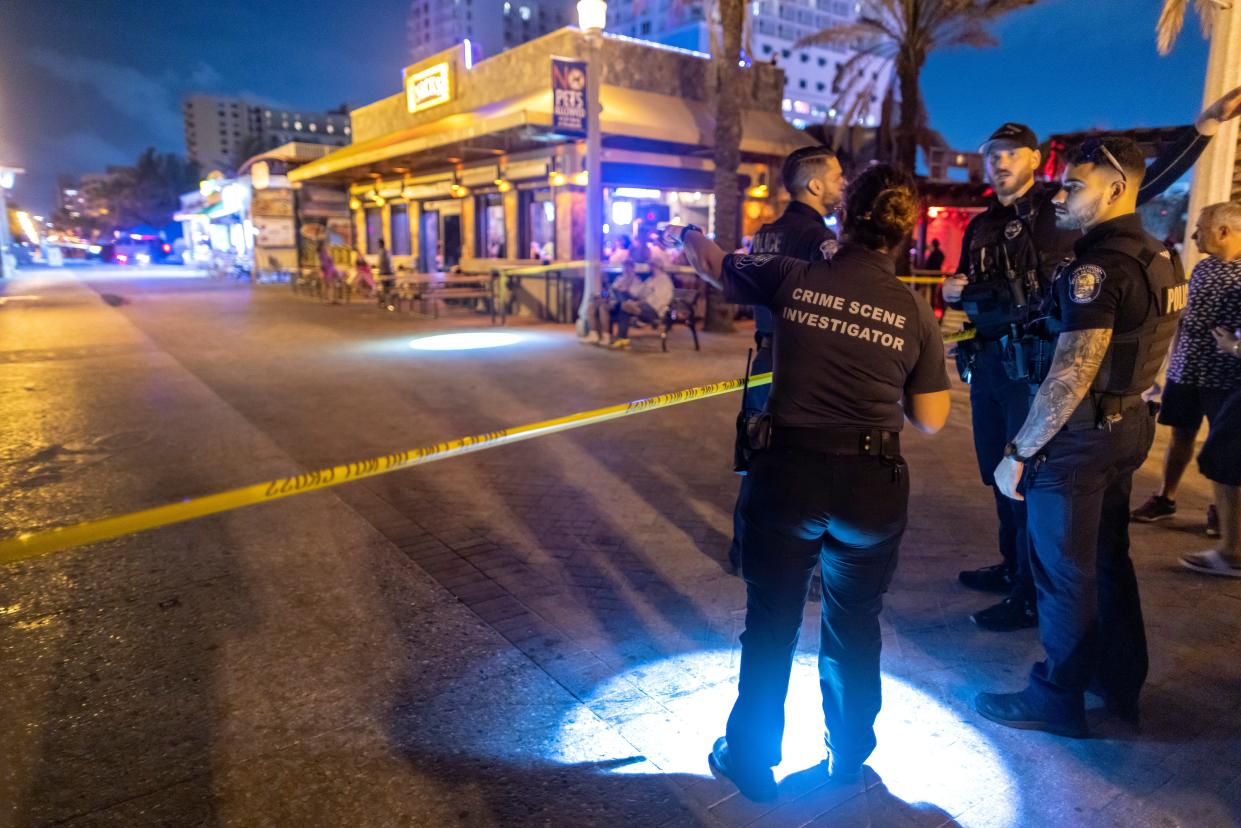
[1098, 409]
[866, 442]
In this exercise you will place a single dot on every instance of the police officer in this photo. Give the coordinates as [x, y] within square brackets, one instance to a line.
[855, 354]
[815, 182]
[1009, 254]
[1114, 310]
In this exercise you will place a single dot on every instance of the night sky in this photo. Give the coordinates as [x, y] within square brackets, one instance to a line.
[88, 83]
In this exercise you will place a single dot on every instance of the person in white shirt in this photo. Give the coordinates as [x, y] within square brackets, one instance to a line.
[650, 301]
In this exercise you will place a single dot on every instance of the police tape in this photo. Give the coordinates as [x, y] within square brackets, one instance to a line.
[32, 544]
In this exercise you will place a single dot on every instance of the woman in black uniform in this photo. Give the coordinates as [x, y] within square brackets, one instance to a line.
[856, 353]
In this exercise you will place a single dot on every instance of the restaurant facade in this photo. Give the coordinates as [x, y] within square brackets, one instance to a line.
[465, 166]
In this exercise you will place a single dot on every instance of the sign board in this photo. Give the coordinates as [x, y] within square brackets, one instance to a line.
[277, 203]
[274, 232]
[569, 115]
[428, 88]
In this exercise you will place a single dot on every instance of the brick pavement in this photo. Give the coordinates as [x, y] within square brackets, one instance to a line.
[540, 634]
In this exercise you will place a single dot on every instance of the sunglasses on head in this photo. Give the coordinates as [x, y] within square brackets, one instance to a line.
[1096, 152]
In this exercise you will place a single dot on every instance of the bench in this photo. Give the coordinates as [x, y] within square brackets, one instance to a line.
[431, 291]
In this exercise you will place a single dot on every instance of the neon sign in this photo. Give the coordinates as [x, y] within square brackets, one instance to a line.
[427, 88]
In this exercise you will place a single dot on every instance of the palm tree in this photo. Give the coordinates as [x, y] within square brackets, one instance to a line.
[1172, 19]
[891, 40]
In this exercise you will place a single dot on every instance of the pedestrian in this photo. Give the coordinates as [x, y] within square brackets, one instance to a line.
[1088, 430]
[855, 354]
[934, 259]
[1220, 462]
[329, 273]
[363, 275]
[1008, 258]
[1200, 378]
[815, 182]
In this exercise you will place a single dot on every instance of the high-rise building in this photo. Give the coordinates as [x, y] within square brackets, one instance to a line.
[813, 76]
[221, 132]
[435, 25]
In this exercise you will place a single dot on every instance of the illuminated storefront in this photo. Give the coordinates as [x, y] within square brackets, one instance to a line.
[464, 167]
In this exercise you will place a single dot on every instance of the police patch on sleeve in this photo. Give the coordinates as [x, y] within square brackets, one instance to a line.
[1085, 283]
[752, 260]
[828, 248]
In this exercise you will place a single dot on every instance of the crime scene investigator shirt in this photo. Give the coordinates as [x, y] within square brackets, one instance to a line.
[1214, 301]
[850, 339]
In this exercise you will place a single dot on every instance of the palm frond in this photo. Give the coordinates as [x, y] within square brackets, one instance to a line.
[1172, 20]
[862, 30]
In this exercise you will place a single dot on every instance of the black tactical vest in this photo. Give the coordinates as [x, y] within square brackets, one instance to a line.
[1132, 363]
[1004, 286]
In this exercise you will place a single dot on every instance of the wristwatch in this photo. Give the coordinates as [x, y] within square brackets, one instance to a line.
[1010, 450]
[686, 229]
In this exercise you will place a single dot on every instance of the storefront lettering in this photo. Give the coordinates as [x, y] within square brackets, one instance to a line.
[428, 88]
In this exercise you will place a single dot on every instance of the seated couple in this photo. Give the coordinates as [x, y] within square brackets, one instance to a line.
[631, 296]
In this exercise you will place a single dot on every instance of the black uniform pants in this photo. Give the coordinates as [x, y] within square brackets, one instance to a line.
[999, 407]
[1090, 616]
[845, 514]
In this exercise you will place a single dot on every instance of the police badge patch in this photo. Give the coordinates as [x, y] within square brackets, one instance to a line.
[1085, 283]
[828, 248]
[1012, 230]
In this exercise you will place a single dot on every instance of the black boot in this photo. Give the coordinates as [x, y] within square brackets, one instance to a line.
[1013, 613]
[988, 579]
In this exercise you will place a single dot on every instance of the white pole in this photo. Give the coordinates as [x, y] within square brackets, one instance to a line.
[1213, 175]
[593, 283]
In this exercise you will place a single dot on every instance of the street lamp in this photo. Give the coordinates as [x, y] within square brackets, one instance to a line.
[8, 176]
[592, 16]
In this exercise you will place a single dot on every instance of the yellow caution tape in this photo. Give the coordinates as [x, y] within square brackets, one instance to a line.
[31, 544]
[959, 336]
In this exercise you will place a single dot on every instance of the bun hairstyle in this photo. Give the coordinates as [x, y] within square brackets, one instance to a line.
[881, 207]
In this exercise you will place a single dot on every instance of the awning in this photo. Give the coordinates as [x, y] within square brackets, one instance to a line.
[214, 211]
[626, 112]
[294, 152]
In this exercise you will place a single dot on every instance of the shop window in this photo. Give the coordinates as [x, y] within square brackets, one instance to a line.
[489, 235]
[400, 229]
[374, 228]
[537, 224]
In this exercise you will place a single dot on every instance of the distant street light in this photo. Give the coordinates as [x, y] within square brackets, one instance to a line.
[8, 176]
[592, 17]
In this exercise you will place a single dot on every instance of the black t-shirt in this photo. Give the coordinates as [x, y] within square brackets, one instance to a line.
[850, 340]
[1103, 289]
[800, 233]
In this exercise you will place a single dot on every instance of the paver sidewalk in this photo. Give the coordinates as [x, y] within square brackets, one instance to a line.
[541, 634]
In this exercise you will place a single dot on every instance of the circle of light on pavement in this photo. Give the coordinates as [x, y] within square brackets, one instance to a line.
[672, 711]
[464, 341]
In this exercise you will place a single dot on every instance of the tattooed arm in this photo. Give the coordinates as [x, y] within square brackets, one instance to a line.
[1073, 368]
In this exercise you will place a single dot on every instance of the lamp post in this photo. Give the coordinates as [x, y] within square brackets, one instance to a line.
[7, 177]
[592, 17]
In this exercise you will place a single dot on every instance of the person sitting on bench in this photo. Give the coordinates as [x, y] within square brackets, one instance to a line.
[650, 302]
